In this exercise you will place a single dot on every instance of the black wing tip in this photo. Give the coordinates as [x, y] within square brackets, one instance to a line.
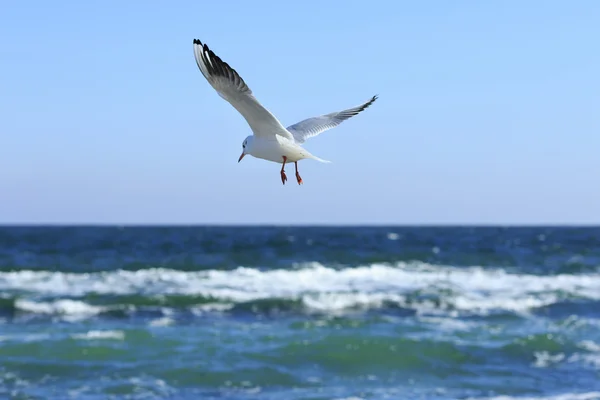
[368, 103]
[218, 67]
[203, 45]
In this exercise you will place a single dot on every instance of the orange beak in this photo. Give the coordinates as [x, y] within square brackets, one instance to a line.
[242, 156]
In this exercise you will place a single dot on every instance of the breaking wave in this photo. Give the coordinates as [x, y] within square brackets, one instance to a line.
[414, 287]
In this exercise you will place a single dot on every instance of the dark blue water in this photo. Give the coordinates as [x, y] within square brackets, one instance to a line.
[299, 313]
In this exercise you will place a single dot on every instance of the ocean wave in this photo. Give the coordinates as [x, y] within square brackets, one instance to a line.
[419, 287]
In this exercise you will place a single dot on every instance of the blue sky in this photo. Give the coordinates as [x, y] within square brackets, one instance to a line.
[488, 112]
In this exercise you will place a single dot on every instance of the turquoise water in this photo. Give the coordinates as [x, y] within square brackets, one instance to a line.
[299, 313]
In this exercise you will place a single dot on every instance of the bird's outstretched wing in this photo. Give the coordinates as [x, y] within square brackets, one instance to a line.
[230, 86]
[313, 126]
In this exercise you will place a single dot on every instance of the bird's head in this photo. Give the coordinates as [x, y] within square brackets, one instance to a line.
[246, 147]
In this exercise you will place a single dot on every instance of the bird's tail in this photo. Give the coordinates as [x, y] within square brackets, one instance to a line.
[321, 160]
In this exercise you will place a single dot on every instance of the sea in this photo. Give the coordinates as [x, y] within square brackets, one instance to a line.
[226, 312]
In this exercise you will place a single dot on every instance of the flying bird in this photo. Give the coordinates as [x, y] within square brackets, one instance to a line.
[270, 139]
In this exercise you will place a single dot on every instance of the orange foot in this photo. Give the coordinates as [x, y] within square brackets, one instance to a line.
[283, 177]
[298, 179]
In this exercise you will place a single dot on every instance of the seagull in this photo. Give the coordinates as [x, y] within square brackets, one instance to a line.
[270, 140]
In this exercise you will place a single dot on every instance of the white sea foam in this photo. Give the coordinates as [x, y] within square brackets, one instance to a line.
[544, 359]
[447, 324]
[164, 321]
[211, 307]
[393, 236]
[95, 335]
[590, 346]
[590, 358]
[69, 307]
[440, 289]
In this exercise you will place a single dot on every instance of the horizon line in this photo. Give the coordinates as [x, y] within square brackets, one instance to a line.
[298, 225]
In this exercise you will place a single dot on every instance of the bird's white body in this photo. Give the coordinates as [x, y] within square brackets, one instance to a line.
[275, 148]
[270, 139]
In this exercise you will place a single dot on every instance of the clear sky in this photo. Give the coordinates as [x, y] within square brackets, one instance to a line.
[489, 111]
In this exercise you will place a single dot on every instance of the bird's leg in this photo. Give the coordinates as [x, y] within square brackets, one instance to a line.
[283, 177]
[297, 174]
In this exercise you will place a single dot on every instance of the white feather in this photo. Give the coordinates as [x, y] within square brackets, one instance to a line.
[313, 126]
[230, 86]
